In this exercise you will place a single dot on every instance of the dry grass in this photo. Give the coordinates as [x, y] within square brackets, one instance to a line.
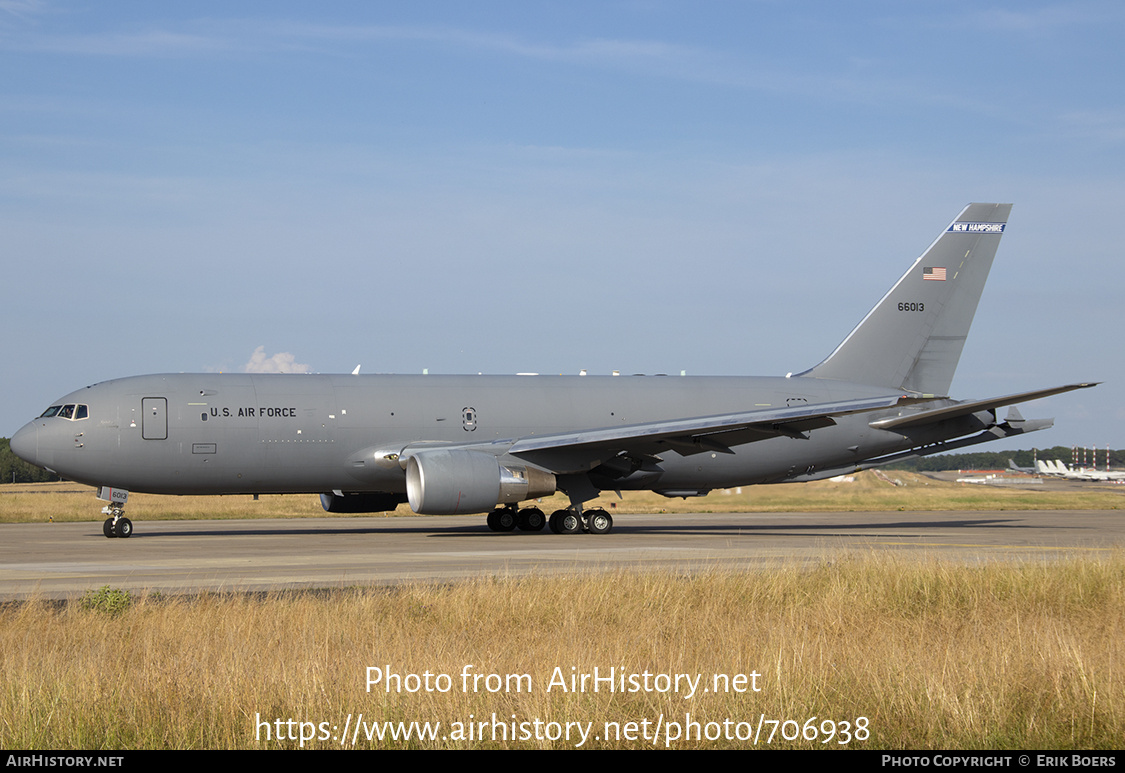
[934, 655]
[36, 502]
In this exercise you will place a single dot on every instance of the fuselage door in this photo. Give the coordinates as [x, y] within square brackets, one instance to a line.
[154, 418]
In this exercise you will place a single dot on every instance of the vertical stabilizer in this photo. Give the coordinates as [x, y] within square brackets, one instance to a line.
[913, 337]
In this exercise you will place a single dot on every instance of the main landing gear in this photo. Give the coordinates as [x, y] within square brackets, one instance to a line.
[117, 525]
[568, 521]
[509, 518]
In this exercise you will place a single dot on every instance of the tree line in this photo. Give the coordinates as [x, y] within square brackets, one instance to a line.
[997, 460]
[16, 470]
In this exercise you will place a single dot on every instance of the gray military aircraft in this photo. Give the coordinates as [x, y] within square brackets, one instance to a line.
[472, 444]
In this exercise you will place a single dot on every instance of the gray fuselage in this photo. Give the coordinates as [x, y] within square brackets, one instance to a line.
[243, 434]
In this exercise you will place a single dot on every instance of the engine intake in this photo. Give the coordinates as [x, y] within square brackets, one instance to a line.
[450, 482]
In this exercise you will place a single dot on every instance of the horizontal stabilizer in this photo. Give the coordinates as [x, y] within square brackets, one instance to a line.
[996, 432]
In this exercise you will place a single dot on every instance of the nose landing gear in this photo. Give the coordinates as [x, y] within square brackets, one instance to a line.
[116, 525]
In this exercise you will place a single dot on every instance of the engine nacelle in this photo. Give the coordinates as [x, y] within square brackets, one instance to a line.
[365, 502]
[450, 482]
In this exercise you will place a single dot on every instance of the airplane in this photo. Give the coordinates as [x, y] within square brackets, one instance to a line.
[1058, 469]
[1101, 475]
[484, 444]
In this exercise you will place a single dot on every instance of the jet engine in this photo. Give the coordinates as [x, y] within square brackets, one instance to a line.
[450, 482]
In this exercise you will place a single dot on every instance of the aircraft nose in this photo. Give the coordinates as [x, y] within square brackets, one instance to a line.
[25, 443]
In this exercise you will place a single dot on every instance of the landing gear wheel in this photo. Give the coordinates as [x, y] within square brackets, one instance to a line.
[554, 523]
[502, 519]
[565, 522]
[123, 528]
[599, 522]
[531, 519]
[107, 528]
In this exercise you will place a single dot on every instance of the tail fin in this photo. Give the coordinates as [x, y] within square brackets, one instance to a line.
[913, 337]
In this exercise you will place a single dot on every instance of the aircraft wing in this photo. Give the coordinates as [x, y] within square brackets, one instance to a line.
[971, 406]
[583, 450]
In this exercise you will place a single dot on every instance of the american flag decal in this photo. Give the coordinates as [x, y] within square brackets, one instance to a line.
[934, 273]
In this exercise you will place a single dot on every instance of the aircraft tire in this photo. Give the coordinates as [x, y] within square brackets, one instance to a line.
[555, 521]
[107, 528]
[501, 519]
[124, 528]
[565, 522]
[531, 519]
[599, 522]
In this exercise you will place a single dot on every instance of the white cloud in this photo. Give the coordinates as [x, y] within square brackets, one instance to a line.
[282, 362]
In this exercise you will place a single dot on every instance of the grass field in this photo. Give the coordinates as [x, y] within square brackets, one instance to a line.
[910, 655]
[36, 502]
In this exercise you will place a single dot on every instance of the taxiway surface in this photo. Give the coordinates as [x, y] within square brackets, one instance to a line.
[62, 560]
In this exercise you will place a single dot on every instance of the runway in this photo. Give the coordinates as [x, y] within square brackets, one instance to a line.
[63, 560]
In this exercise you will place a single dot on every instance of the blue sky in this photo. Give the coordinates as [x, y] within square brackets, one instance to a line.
[650, 187]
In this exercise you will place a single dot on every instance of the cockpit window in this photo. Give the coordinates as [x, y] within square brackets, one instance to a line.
[74, 412]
